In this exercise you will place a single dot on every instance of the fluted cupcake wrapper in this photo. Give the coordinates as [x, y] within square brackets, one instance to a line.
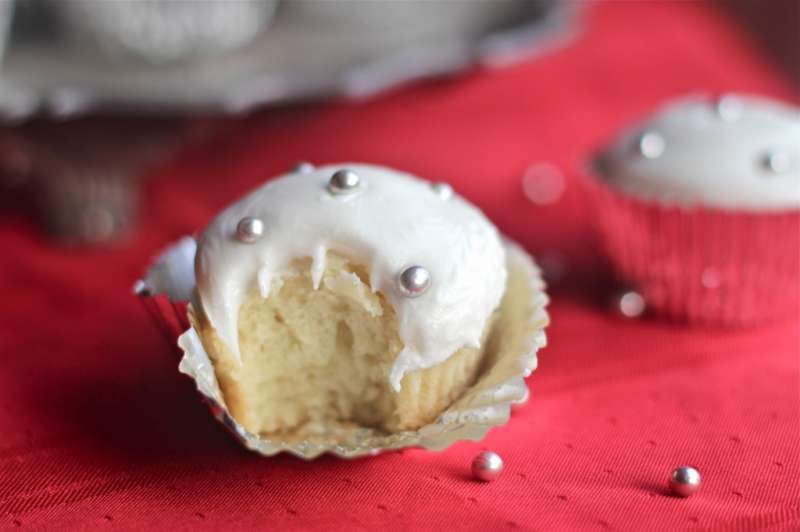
[167, 288]
[702, 265]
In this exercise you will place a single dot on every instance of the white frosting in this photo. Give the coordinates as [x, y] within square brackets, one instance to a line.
[392, 221]
[713, 157]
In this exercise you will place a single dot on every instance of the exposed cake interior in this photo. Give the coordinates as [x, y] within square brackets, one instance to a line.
[312, 359]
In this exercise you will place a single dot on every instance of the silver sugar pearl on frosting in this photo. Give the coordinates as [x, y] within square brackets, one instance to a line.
[487, 466]
[414, 281]
[651, 145]
[303, 167]
[343, 181]
[777, 161]
[443, 190]
[728, 108]
[249, 229]
[684, 481]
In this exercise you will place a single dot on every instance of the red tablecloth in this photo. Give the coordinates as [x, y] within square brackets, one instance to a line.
[99, 429]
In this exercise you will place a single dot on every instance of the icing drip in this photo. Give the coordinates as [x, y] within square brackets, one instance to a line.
[264, 281]
[318, 265]
[391, 221]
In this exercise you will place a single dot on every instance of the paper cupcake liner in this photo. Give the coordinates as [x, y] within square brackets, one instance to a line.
[167, 288]
[702, 265]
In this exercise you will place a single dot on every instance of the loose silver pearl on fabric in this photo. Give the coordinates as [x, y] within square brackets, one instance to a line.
[343, 182]
[414, 281]
[728, 108]
[249, 229]
[487, 466]
[443, 190]
[651, 145]
[543, 183]
[630, 304]
[303, 167]
[684, 481]
[777, 162]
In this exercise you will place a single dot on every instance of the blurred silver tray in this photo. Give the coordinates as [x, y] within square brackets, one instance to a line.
[309, 49]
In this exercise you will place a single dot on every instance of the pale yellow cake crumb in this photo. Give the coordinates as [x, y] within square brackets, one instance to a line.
[313, 358]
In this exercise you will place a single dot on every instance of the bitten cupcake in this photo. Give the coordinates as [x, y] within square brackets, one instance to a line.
[699, 209]
[350, 303]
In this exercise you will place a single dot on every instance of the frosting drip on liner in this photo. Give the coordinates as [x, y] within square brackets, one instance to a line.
[390, 222]
[711, 153]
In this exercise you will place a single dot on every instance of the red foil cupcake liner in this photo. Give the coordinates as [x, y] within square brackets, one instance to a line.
[702, 265]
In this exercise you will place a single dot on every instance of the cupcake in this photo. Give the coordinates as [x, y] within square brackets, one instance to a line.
[699, 209]
[351, 300]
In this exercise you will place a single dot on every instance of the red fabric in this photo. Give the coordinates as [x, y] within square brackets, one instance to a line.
[702, 265]
[171, 317]
[99, 429]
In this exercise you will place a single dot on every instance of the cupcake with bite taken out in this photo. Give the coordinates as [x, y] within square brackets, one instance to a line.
[353, 301]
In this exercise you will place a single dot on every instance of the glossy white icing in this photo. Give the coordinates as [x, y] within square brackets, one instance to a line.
[714, 153]
[392, 221]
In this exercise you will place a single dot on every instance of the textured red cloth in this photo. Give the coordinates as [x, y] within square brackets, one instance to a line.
[99, 430]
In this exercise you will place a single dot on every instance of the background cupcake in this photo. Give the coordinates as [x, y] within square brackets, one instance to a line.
[699, 208]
